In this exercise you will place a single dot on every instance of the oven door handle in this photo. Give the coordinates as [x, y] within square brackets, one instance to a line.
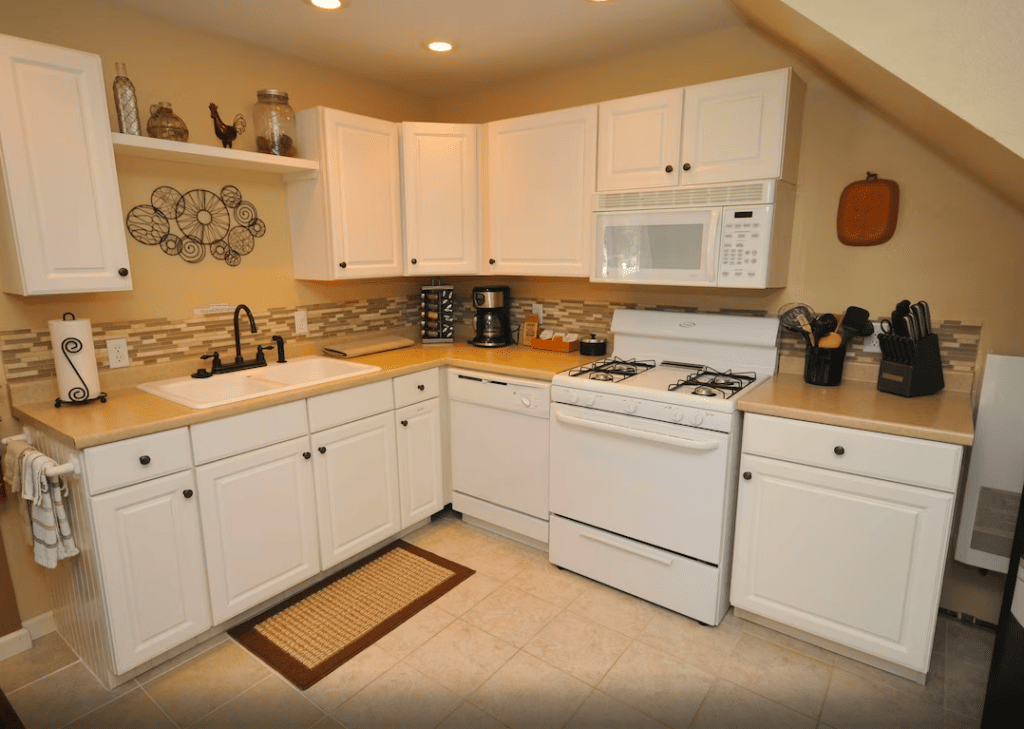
[693, 445]
[626, 548]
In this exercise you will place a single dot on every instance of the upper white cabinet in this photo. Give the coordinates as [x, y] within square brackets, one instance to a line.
[61, 209]
[638, 141]
[744, 128]
[540, 175]
[346, 223]
[441, 195]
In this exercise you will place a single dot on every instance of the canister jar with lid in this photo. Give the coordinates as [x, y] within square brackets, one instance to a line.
[275, 123]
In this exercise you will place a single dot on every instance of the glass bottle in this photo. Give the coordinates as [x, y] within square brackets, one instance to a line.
[165, 124]
[125, 103]
[275, 123]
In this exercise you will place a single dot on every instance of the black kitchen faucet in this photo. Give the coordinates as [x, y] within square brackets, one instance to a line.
[217, 367]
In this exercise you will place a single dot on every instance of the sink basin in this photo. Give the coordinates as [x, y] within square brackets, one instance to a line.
[232, 387]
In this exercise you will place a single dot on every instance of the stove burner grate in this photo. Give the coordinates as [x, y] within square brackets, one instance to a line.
[710, 382]
[613, 369]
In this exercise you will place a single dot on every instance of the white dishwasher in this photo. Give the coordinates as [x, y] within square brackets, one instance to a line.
[500, 449]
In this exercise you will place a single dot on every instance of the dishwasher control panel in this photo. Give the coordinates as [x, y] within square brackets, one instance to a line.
[514, 394]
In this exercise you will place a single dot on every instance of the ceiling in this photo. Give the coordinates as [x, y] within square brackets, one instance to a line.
[495, 40]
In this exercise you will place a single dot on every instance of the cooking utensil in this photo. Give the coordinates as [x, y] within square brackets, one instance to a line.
[832, 340]
[797, 318]
[823, 325]
[854, 321]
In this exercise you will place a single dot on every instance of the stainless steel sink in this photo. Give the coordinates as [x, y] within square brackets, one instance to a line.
[232, 387]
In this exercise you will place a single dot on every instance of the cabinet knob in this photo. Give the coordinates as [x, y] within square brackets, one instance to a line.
[414, 261]
[839, 450]
[747, 475]
[668, 168]
[405, 422]
[144, 460]
[307, 455]
[122, 272]
[421, 388]
[492, 261]
[187, 493]
[686, 165]
[343, 264]
[322, 449]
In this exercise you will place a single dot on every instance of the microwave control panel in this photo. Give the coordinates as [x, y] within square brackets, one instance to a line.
[744, 252]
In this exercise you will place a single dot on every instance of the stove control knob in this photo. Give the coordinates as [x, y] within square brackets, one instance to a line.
[574, 397]
[631, 407]
[589, 399]
[677, 416]
[697, 419]
[525, 401]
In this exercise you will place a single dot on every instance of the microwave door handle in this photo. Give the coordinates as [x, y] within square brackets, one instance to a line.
[693, 445]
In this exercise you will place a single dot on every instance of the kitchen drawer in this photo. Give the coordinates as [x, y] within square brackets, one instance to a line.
[240, 433]
[114, 465]
[891, 457]
[347, 406]
[417, 387]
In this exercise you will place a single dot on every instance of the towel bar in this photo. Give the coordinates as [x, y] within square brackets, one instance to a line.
[71, 466]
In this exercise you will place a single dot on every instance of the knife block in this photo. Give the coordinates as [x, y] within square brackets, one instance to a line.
[921, 375]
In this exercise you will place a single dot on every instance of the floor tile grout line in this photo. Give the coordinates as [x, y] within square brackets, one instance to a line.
[142, 687]
[221, 706]
[9, 694]
[105, 703]
[275, 672]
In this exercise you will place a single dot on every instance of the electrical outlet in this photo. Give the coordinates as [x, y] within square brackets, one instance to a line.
[301, 322]
[871, 343]
[538, 309]
[117, 353]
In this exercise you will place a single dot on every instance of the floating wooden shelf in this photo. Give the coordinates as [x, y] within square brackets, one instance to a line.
[130, 145]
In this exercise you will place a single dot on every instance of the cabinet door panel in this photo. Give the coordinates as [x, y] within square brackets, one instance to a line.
[64, 213]
[259, 525]
[419, 460]
[440, 165]
[852, 559]
[541, 176]
[356, 479]
[151, 549]
[735, 129]
[638, 139]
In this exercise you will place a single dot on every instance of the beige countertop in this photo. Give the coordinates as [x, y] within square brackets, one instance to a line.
[945, 416]
[130, 412]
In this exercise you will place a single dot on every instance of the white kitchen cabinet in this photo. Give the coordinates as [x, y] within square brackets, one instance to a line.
[151, 549]
[638, 141]
[737, 129]
[441, 196]
[540, 181]
[419, 460]
[60, 207]
[346, 221]
[259, 525]
[833, 541]
[355, 468]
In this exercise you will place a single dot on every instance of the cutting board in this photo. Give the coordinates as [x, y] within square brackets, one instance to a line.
[368, 345]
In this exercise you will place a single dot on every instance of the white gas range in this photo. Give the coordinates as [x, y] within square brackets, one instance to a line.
[644, 452]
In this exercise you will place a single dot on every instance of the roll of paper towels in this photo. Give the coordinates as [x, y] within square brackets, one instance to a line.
[75, 359]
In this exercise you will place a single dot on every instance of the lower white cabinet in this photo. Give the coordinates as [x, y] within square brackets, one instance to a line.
[356, 474]
[419, 460]
[259, 525]
[154, 573]
[850, 557]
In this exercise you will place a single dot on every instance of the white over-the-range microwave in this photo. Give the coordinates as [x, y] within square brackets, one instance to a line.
[731, 235]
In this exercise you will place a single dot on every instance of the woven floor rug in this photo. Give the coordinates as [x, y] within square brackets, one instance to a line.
[312, 633]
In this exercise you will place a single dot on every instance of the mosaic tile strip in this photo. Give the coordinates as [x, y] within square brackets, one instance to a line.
[27, 353]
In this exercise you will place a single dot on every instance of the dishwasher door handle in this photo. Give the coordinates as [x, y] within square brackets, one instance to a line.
[627, 548]
[693, 445]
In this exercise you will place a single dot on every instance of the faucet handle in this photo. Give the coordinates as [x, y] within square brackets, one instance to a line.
[215, 356]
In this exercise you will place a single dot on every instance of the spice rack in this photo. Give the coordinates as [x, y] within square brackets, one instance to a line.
[437, 314]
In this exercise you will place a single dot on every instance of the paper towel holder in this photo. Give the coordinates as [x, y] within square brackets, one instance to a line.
[79, 395]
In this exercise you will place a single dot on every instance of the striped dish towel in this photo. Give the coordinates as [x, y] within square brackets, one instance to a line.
[51, 530]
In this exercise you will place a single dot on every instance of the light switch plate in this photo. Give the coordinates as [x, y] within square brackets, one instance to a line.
[117, 353]
[538, 309]
[301, 322]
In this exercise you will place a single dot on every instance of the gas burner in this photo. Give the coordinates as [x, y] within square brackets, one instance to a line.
[705, 391]
[613, 369]
[710, 382]
[720, 380]
[604, 376]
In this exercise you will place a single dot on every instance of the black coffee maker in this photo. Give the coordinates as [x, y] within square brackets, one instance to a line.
[492, 322]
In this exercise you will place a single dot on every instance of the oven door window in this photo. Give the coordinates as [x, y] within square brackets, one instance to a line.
[666, 247]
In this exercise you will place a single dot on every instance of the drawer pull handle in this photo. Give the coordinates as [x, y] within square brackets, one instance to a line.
[414, 261]
[307, 455]
[144, 460]
[405, 422]
[668, 168]
[421, 388]
[322, 449]
[187, 493]
[686, 166]
[343, 264]
[747, 475]
[839, 450]
[491, 261]
[626, 548]
[122, 272]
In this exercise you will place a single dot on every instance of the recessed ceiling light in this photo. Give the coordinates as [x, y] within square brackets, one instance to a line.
[439, 46]
[327, 4]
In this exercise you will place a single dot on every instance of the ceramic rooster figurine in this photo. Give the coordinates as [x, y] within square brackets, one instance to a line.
[226, 134]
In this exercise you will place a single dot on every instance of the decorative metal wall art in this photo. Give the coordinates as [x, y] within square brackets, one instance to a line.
[225, 133]
[204, 222]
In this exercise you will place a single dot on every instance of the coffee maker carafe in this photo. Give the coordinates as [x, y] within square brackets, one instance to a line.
[492, 322]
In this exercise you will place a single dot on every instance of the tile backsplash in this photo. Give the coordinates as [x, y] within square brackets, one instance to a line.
[27, 353]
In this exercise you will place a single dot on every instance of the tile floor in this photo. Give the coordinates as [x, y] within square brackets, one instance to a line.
[521, 645]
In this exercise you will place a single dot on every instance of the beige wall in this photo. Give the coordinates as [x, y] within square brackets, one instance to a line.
[956, 245]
